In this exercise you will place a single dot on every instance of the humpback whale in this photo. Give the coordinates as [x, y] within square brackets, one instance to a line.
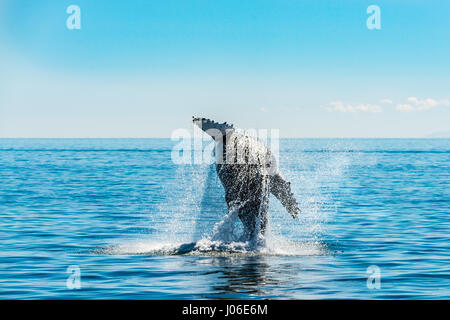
[248, 173]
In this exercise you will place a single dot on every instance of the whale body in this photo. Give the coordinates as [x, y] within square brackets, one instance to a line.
[248, 173]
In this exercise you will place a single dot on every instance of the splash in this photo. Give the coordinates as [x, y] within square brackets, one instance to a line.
[196, 220]
[208, 247]
[228, 238]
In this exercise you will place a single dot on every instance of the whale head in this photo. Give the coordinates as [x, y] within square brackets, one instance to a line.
[215, 129]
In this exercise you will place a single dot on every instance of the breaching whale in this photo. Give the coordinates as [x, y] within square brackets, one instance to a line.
[248, 172]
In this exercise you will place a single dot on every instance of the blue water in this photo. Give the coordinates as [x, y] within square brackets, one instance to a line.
[140, 227]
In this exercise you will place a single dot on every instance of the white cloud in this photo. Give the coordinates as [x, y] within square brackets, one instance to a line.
[386, 101]
[415, 104]
[404, 107]
[342, 107]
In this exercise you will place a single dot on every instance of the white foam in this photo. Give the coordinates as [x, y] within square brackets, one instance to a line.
[271, 247]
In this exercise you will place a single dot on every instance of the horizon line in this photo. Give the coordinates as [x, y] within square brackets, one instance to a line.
[178, 139]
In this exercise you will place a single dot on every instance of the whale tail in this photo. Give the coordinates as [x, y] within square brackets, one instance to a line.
[213, 128]
[281, 189]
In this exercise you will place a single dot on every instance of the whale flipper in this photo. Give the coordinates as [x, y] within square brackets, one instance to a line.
[281, 189]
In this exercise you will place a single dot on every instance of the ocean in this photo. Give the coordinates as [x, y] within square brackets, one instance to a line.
[118, 219]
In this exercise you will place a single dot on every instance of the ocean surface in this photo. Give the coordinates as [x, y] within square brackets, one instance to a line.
[118, 219]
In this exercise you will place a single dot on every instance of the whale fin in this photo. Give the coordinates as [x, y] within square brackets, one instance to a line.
[281, 189]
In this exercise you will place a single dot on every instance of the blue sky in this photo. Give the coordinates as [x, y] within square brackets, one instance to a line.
[143, 68]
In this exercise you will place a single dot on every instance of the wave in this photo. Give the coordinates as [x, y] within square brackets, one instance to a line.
[208, 247]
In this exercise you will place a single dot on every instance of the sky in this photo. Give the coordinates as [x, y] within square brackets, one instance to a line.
[144, 68]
